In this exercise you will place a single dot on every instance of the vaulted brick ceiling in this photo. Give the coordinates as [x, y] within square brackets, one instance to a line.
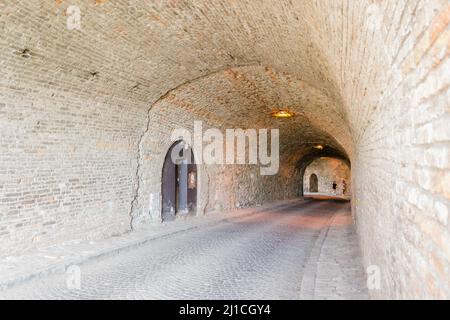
[236, 60]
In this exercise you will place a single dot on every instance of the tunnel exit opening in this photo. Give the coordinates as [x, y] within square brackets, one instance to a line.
[324, 172]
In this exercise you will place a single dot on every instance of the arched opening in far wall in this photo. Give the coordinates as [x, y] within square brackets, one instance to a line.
[313, 183]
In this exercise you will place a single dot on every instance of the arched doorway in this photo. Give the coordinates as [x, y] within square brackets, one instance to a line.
[179, 182]
[313, 183]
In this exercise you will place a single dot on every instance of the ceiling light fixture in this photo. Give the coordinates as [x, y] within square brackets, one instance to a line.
[282, 114]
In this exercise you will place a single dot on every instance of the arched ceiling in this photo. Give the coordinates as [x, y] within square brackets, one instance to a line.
[244, 97]
[301, 54]
[142, 49]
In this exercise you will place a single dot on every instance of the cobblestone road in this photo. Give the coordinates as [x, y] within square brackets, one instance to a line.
[280, 253]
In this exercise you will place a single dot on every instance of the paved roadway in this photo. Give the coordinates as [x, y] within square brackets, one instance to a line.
[297, 250]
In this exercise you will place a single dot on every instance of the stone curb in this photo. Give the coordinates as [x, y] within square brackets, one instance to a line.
[308, 283]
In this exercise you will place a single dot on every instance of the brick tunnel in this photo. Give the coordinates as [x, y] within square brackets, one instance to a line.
[91, 92]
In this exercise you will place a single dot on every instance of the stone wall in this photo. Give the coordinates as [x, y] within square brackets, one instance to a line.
[328, 171]
[220, 186]
[66, 168]
[391, 61]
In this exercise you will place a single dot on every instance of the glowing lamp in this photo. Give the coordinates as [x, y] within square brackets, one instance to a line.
[282, 114]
